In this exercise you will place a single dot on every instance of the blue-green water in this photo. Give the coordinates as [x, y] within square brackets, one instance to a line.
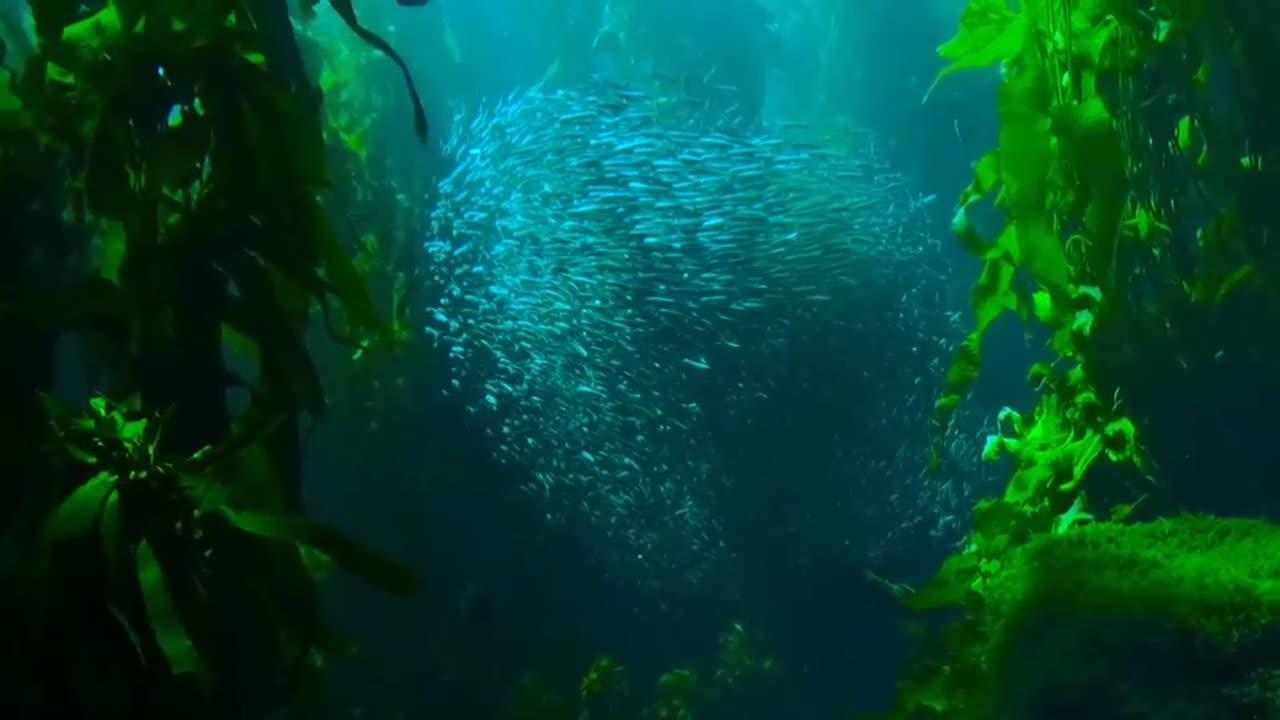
[691, 299]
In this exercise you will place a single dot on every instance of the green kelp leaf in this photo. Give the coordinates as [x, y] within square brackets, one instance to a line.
[1083, 452]
[348, 15]
[319, 566]
[970, 239]
[1121, 440]
[949, 587]
[374, 568]
[1185, 136]
[91, 41]
[166, 622]
[1082, 323]
[1042, 253]
[964, 371]
[1034, 474]
[986, 174]
[111, 533]
[351, 286]
[1026, 158]
[78, 515]
[993, 294]
[127, 628]
[1072, 516]
[1216, 288]
[990, 32]
[113, 246]
[13, 114]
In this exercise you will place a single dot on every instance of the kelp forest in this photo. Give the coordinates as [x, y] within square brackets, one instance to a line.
[217, 223]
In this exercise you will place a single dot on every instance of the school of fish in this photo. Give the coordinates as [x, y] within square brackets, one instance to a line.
[609, 263]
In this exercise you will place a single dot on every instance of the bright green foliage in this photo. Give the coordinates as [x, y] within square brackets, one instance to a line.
[1059, 177]
[989, 33]
[118, 507]
[1217, 578]
[1133, 203]
[1074, 620]
[166, 621]
[1069, 431]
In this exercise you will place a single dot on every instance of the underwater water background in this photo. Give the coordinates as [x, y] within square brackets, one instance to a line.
[506, 591]
[639, 359]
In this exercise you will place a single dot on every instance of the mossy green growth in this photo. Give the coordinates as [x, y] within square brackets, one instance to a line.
[1216, 578]
[1177, 618]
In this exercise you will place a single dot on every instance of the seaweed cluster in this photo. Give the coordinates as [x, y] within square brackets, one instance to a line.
[1134, 153]
[164, 185]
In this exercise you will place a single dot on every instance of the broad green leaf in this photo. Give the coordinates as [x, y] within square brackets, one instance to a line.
[990, 32]
[166, 622]
[969, 238]
[90, 41]
[114, 244]
[373, 567]
[964, 371]
[1073, 515]
[1120, 437]
[1042, 253]
[987, 172]
[133, 433]
[111, 534]
[1085, 452]
[993, 293]
[1026, 161]
[78, 515]
[1185, 135]
[13, 114]
[1033, 475]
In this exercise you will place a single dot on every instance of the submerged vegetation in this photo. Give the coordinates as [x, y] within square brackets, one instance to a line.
[738, 684]
[1134, 153]
[167, 199]
[195, 193]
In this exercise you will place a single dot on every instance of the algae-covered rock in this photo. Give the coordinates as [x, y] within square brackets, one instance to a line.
[1175, 619]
